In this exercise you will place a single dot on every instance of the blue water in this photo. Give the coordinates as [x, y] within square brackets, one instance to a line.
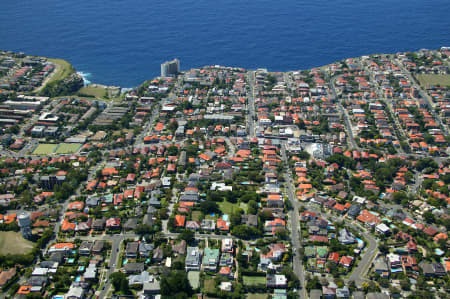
[123, 43]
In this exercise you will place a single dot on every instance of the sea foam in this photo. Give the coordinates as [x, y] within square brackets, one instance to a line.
[85, 77]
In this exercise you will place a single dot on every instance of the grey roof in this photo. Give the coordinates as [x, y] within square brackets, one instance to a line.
[91, 272]
[346, 237]
[132, 247]
[377, 296]
[145, 247]
[151, 286]
[315, 294]
[380, 265]
[148, 219]
[134, 267]
[131, 223]
[98, 246]
[86, 245]
[343, 292]
[37, 280]
[359, 295]
[193, 256]
[75, 292]
[139, 278]
[92, 201]
[354, 210]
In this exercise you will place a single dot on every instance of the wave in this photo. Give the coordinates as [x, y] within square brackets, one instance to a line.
[85, 77]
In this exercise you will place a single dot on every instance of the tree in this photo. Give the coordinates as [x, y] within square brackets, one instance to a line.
[427, 163]
[172, 150]
[245, 232]
[235, 217]
[175, 285]
[428, 216]
[187, 235]
[252, 207]
[143, 229]
[383, 248]
[208, 207]
[405, 284]
[120, 282]
[313, 284]
[249, 196]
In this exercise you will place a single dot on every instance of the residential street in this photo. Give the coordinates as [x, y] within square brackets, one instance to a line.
[294, 226]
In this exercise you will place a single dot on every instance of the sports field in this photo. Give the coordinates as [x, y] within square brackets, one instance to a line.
[68, 148]
[44, 149]
[254, 280]
[14, 243]
[427, 80]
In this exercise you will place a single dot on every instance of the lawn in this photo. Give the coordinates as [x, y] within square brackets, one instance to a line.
[428, 79]
[256, 296]
[243, 206]
[68, 148]
[228, 207]
[209, 286]
[194, 279]
[13, 243]
[254, 280]
[100, 92]
[63, 69]
[196, 215]
[44, 149]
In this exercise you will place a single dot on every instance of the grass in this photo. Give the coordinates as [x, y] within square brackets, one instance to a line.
[243, 206]
[228, 207]
[44, 149]
[209, 286]
[256, 296]
[64, 69]
[68, 148]
[254, 280]
[428, 79]
[99, 92]
[194, 279]
[14, 243]
[196, 215]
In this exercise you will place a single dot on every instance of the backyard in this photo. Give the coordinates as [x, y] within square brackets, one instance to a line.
[209, 285]
[256, 296]
[228, 207]
[194, 279]
[196, 215]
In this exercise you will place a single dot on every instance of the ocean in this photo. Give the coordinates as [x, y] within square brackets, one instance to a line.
[123, 43]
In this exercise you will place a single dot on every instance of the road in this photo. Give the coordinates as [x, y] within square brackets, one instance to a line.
[348, 126]
[390, 103]
[424, 96]
[358, 274]
[294, 226]
[113, 262]
[251, 104]
[139, 140]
